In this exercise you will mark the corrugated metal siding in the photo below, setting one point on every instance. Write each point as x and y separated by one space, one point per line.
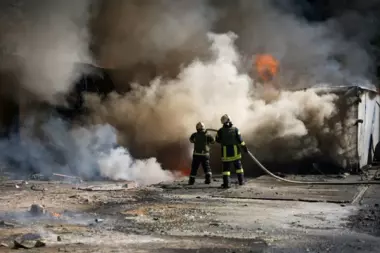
339 147
368 131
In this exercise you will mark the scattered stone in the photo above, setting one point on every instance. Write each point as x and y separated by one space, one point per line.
28 241
38 177
18 245
73 196
39 244
6 224
156 218
198 197
342 205
37 210
376 205
215 224
37 188
99 220
17 186
4 245
59 239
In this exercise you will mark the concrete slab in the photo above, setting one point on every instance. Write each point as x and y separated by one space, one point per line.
270 189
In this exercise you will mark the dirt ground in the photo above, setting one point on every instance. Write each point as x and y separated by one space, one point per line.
175 217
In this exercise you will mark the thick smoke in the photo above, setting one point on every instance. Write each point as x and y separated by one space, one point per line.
41 44
309 53
181 62
143 39
159 111
88 152
166 111
44 44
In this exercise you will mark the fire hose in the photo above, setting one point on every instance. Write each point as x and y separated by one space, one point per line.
262 167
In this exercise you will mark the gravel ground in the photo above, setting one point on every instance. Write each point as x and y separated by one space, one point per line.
367 219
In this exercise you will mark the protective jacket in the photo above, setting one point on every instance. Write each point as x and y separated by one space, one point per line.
231 143
202 142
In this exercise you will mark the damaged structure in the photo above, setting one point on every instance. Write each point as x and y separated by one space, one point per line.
348 144
350 138
359 118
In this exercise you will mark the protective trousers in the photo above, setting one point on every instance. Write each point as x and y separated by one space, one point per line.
197 161
227 172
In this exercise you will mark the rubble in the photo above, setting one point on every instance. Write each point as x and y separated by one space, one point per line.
6 224
73 179
37 210
29 241
37 188
4 245
39 177
99 220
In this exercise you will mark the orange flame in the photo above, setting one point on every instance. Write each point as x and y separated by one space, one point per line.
57 215
184 172
266 66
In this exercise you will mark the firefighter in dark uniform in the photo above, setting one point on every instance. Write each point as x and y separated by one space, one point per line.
231 145
201 154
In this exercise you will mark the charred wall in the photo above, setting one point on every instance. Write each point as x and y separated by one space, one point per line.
333 150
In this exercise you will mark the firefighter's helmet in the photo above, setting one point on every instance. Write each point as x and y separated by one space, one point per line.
200 126
225 119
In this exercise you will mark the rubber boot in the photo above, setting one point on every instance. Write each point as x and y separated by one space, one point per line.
191 180
208 179
240 178
226 182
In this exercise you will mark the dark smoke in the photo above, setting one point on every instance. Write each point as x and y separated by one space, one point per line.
172 72
148 44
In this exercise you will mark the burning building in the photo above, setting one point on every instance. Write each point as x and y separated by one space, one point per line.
170 64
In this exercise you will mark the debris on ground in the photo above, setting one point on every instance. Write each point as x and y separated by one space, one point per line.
73 179
107 187
4 245
6 224
37 188
39 177
29 241
37 210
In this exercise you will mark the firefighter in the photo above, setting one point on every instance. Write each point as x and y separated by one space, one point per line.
201 154
231 144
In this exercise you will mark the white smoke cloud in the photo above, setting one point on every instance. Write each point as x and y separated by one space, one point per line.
88 152
204 91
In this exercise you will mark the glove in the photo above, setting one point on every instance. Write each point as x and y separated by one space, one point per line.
245 149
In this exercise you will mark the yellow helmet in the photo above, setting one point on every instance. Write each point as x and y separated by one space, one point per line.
200 126
225 119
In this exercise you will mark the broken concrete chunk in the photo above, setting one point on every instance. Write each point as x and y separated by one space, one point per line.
37 210
19 245
28 241
6 224
4 245
38 177
39 244
37 188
